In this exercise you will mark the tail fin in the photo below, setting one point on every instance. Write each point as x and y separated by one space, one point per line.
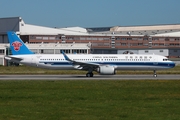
17 45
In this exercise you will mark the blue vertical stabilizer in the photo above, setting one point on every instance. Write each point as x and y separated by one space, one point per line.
17 45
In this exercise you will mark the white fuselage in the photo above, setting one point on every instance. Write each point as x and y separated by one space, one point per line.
119 61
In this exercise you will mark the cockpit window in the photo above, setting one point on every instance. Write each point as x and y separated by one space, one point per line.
165 59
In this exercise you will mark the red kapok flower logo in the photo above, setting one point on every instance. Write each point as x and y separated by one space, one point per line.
16 45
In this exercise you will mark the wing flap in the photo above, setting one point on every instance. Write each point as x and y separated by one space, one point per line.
85 65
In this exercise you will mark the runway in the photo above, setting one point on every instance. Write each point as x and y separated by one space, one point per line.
82 77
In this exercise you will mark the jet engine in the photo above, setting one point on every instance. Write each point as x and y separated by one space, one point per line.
106 70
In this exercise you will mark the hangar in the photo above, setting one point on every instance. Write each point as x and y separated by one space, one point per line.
152 39
41 40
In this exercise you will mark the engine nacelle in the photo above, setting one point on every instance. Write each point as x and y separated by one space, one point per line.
106 70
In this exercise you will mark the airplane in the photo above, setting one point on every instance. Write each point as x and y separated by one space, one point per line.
104 64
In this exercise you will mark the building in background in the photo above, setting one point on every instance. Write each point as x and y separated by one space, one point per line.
154 39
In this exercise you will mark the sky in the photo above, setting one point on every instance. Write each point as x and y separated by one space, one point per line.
92 13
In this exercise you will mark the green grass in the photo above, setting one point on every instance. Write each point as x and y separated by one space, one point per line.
90 100
33 70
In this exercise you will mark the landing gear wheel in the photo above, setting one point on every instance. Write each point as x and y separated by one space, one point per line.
155 75
89 75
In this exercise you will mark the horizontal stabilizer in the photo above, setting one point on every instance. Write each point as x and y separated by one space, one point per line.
13 59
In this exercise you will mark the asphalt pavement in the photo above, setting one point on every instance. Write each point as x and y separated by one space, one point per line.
83 77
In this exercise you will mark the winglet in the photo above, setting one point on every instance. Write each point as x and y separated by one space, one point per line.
17 45
65 56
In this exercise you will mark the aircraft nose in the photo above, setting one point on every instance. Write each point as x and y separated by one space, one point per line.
172 64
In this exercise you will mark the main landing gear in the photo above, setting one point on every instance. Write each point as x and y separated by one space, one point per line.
155 75
89 74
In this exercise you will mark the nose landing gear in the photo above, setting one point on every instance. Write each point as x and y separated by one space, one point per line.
155 75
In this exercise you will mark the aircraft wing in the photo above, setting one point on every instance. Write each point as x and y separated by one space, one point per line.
81 65
85 65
